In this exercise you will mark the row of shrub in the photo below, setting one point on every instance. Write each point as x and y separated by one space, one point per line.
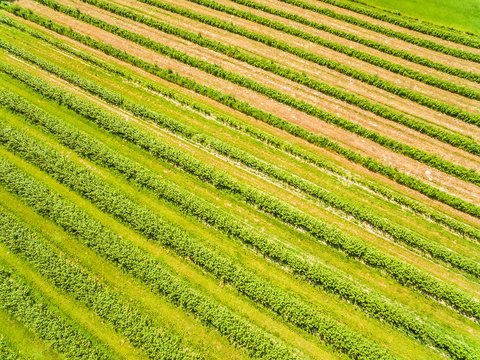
272 140
416 40
328 279
230 101
157 342
25 305
358 54
397 232
123 254
154 227
403 54
469 175
269 65
448 137
354 247
428 212
409 23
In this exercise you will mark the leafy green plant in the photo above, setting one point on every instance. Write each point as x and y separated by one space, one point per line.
326 278
331 30
123 254
353 247
432 160
35 313
428 44
398 233
157 342
409 23
228 100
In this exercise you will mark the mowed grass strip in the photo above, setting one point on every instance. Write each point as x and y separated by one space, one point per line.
46 317
52 109
159 209
270 92
245 129
283 45
439 30
207 340
403 54
405 36
142 265
287 306
268 204
143 333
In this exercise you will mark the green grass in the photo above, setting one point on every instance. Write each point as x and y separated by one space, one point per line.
343 224
303 170
245 257
100 76
209 341
313 209
462 15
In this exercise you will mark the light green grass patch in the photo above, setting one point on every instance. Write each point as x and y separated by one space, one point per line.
462 15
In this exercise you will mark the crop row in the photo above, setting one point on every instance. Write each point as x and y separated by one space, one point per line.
408 23
361 55
268 65
328 279
354 247
36 314
156 342
435 132
230 101
428 44
340 33
154 227
123 254
258 134
397 232
432 160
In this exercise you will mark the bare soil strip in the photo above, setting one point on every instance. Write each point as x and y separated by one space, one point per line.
355 168
333 105
366 147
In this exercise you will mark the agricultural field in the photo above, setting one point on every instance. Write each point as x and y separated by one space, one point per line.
238 179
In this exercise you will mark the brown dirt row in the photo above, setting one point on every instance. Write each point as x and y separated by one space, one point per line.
391 26
333 38
335 158
334 105
309 46
290 60
446 182
372 35
401 104
463 127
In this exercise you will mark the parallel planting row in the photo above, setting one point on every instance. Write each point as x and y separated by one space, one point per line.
226 223
146 215
396 232
268 139
368 162
353 247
